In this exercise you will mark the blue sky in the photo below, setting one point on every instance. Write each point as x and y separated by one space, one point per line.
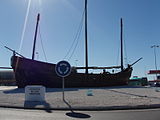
59 24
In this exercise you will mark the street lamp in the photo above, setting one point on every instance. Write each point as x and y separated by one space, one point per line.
155 59
37 55
76 62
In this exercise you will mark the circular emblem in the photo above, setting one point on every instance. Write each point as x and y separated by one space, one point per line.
63 68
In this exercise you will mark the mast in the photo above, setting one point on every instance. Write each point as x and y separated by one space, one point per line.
35 36
121 45
86 40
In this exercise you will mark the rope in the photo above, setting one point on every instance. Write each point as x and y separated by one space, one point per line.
75 41
42 44
125 51
77 36
1 43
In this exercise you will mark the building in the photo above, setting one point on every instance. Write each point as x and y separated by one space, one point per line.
7 77
136 81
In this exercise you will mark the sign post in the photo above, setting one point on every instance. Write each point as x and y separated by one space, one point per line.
63 87
63 69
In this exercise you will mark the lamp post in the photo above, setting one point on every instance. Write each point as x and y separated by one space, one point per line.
37 55
155 59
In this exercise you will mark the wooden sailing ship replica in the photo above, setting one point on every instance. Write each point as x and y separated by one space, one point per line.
32 72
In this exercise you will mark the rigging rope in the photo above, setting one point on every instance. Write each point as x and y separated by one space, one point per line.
117 60
42 44
1 43
125 52
75 41
77 36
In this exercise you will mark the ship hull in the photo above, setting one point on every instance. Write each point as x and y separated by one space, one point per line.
32 72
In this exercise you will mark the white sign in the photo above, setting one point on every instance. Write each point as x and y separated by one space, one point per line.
34 93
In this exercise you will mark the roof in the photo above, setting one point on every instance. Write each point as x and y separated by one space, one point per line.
154 72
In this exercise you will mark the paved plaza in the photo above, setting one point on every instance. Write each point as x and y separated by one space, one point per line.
108 98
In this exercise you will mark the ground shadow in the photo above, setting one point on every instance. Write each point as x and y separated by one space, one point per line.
34 104
75 114
137 95
78 115
121 87
70 107
60 89
14 91
22 90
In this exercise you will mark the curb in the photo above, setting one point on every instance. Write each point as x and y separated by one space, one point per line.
92 108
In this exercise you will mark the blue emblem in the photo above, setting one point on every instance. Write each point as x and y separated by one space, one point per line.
63 68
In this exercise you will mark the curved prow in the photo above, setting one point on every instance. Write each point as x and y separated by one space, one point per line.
14 52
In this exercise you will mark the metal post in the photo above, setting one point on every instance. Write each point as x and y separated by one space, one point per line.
63 88
155 58
63 96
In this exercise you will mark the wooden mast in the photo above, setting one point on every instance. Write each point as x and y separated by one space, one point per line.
86 40
122 45
35 36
